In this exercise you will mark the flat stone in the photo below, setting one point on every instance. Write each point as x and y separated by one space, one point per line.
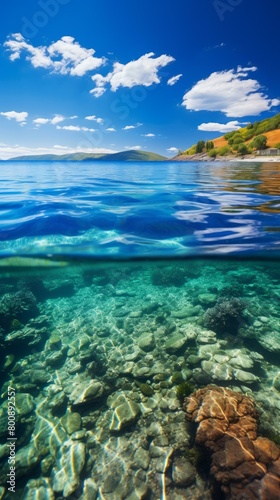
222 372
124 415
66 475
192 359
270 341
175 343
183 472
147 342
39 377
242 361
217 371
186 312
142 372
39 489
207 299
55 358
206 337
90 490
86 391
71 422
245 377
141 458
24 403
126 368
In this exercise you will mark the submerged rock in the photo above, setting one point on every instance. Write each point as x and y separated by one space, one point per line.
66 476
243 464
183 472
276 382
126 411
175 343
40 489
71 422
146 342
86 391
24 404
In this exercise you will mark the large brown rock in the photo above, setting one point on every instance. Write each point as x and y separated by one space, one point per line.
245 465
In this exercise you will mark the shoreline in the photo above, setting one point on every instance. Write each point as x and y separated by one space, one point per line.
230 158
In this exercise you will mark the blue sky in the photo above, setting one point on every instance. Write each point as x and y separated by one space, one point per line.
158 76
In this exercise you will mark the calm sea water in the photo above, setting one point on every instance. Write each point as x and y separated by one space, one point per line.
123 288
139 208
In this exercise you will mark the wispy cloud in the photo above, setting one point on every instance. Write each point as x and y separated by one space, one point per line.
231 92
143 71
75 128
56 119
148 135
94 118
14 115
173 80
221 127
130 127
65 56
133 147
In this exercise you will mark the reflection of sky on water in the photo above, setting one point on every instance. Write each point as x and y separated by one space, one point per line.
139 208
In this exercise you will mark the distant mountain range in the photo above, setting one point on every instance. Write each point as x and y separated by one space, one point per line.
131 155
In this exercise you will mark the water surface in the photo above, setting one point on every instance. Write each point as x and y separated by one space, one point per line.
129 209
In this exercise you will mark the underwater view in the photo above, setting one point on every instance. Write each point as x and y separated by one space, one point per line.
139 250
140 331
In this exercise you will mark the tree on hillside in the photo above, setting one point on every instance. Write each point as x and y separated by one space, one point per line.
260 142
200 147
209 145
242 149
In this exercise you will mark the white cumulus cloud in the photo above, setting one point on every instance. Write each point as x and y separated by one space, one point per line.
65 56
54 121
172 149
142 71
41 121
231 92
148 135
57 119
19 117
221 127
111 129
130 127
94 118
173 80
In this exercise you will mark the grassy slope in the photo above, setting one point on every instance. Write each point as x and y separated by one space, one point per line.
273 137
132 155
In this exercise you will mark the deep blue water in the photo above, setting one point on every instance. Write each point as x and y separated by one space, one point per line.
128 209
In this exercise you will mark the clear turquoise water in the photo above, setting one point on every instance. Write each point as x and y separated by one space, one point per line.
136 209
119 283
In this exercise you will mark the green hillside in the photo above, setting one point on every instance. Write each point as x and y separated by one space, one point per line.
257 135
131 155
